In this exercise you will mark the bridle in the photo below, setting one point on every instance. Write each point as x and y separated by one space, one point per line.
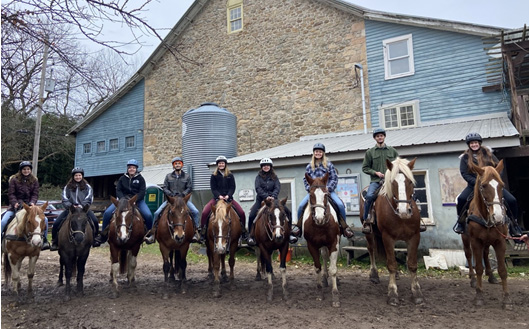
28 235
172 225
269 228
397 201
324 206
72 232
489 204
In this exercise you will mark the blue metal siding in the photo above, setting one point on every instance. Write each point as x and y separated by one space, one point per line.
449 74
122 119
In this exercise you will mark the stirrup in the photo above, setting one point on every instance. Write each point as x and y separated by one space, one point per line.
348 233
149 239
366 228
251 241
295 231
292 239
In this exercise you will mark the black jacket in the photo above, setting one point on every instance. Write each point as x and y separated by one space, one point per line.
177 186
221 185
463 168
77 197
130 186
266 186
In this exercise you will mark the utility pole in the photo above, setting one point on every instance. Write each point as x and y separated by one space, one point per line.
39 110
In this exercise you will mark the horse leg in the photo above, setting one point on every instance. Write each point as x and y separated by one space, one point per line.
131 271
373 273
317 268
182 265
68 276
15 275
216 270
333 270
259 264
283 270
325 272
488 269
266 259
468 255
231 262
499 248
416 291
389 245
114 270
172 266
223 274
477 251
81 267
61 274
31 274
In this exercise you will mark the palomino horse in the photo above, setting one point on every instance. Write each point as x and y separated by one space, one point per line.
486 225
125 237
272 232
397 218
321 230
224 230
174 234
23 239
75 240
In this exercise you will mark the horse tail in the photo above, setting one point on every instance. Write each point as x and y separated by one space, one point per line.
7 268
123 261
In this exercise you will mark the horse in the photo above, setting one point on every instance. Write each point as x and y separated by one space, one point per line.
272 232
174 234
223 233
23 239
486 226
75 239
321 231
125 236
397 218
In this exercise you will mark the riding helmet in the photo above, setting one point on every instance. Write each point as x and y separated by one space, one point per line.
473 137
221 158
379 131
133 162
318 146
177 159
266 162
78 170
25 164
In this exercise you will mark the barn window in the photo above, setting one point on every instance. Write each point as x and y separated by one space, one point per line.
288 190
113 144
234 15
101 146
422 196
398 57
400 115
129 141
87 148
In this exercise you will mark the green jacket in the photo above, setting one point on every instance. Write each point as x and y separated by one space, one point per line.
375 160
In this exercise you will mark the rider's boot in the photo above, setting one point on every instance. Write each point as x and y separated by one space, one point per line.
196 235
54 245
149 237
45 243
251 238
103 236
244 234
203 232
296 228
459 228
346 230
514 230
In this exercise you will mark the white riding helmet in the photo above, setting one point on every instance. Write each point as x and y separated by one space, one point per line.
266 161
221 158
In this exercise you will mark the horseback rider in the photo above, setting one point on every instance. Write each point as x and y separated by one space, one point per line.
130 184
23 188
374 165
77 193
176 183
318 167
222 184
481 156
267 187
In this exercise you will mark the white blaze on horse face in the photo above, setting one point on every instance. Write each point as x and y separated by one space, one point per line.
277 222
220 248
401 187
497 210
36 239
123 229
319 212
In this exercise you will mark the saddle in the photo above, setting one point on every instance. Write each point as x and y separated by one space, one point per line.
10 233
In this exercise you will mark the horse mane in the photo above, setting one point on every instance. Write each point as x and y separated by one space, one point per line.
221 210
399 166
21 225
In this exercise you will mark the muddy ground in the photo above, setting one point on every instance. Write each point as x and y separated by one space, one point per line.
363 304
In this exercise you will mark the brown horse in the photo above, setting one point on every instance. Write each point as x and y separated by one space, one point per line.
272 232
224 230
174 234
487 226
397 218
75 241
321 230
468 255
125 236
23 239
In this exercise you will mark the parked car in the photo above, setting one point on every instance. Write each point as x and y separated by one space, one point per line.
53 210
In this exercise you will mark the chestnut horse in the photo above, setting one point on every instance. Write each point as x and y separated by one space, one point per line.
23 239
125 236
397 218
174 234
224 230
321 231
75 241
487 226
468 255
272 232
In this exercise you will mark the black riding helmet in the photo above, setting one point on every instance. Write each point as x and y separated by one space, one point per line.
77 170
25 164
473 137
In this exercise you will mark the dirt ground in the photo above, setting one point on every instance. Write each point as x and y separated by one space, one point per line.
363 304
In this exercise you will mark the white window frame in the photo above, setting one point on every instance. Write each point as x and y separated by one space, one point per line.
387 61
426 220
382 114
292 182
127 142
234 5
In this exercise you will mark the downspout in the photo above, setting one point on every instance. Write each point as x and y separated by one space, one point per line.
359 66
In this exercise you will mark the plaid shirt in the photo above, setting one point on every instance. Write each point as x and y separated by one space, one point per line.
320 171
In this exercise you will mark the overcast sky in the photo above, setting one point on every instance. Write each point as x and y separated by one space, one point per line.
498 13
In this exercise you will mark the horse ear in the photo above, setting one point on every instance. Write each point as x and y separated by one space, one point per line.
114 201
133 199
411 164
499 167
473 168
325 177
43 207
267 202
72 209
389 164
26 206
308 178
171 199
284 201
187 197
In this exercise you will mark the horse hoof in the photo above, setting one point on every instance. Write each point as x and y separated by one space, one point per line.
67 298
507 306
393 301
59 284
419 301
473 283
374 280
114 295
492 280
336 304
258 277
478 302
165 296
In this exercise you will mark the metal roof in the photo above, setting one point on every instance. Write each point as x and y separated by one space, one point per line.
436 137
156 174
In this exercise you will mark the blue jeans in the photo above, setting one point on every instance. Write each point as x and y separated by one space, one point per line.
9 214
143 208
190 205
370 197
334 198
